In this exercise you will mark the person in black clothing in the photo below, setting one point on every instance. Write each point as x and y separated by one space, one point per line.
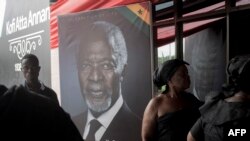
169 115
228 110
27 116
31 69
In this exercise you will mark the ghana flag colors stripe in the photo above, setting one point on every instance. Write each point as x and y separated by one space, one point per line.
139 15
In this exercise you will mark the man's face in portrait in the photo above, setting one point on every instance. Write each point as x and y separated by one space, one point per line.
99 78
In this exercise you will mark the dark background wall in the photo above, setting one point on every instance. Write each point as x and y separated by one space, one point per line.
206 52
239 33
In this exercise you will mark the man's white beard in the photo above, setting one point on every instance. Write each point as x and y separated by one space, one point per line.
99 107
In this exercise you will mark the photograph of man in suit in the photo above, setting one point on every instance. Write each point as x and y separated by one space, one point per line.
101 62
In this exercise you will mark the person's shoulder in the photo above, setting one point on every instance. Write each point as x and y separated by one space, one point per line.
214 95
154 102
3 89
50 93
153 105
37 113
48 89
21 95
157 99
17 99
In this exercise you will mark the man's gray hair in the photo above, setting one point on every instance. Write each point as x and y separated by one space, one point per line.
117 41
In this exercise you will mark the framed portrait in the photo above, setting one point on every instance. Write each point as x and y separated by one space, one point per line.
106 53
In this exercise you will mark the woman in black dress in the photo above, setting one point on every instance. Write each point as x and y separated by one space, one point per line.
228 111
169 115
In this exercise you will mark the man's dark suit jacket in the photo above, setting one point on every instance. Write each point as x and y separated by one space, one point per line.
125 126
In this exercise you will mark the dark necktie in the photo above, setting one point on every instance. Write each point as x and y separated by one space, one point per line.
94 126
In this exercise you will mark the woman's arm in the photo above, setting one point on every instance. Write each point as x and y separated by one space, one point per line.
190 137
149 122
196 132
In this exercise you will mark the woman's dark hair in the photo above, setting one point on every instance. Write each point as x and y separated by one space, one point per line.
165 72
238 70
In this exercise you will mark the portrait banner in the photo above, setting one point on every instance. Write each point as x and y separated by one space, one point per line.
105 59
